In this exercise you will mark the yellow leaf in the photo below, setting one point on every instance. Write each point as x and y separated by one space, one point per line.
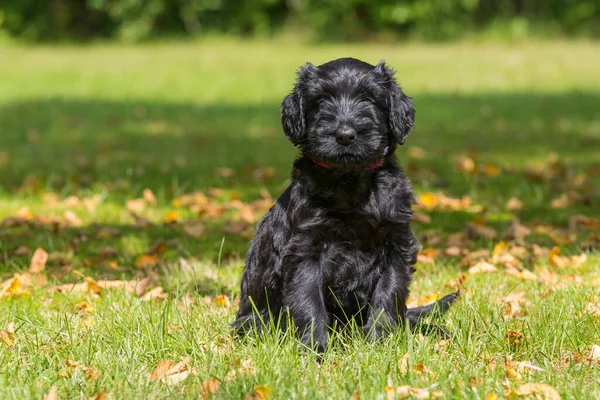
491 396
466 164
539 390
172 216
12 288
491 170
499 249
260 392
222 301
38 261
85 307
428 200
92 286
555 259
6 339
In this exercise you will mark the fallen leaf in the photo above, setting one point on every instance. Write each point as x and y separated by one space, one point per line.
21 251
7 339
555 259
560 202
171 217
491 396
466 164
482 267
169 373
548 277
516 230
136 205
595 352
428 200
513 304
38 261
208 388
260 392
85 307
52 395
194 228
480 231
222 301
142 286
514 339
540 391
421 218
226 172
99 396
514 204
427 256
491 170
72 218
107 232
404 363
156 293
146 261
12 288
149 196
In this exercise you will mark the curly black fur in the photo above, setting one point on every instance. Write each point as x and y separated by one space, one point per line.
337 245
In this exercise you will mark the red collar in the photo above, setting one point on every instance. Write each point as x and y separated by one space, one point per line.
322 164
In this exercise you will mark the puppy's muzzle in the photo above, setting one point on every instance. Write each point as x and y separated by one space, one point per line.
345 135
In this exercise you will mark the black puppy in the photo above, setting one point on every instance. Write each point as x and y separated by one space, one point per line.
337 244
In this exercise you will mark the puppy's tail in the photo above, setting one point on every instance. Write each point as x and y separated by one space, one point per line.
415 315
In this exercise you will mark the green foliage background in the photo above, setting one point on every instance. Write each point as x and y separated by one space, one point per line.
135 20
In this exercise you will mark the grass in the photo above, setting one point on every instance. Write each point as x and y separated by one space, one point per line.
106 122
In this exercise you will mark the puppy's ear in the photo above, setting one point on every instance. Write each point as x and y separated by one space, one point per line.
401 109
292 107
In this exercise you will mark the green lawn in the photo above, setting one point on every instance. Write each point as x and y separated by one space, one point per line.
86 130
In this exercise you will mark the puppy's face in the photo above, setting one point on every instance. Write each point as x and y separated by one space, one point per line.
347 113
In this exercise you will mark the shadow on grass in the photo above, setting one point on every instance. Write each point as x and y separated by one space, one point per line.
76 145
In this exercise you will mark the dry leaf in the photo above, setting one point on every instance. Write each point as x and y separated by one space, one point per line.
480 231
491 170
52 395
555 259
72 219
107 232
540 391
136 205
222 301
514 340
514 204
482 267
403 364
7 339
12 288
142 286
146 261
149 196
169 373
513 303
426 256
38 261
466 164
516 230
99 396
208 388
194 228
261 392
560 202
156 293
595 352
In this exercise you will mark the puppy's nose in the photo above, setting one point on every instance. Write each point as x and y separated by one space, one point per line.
345 135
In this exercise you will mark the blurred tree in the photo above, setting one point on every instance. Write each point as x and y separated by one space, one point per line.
134 20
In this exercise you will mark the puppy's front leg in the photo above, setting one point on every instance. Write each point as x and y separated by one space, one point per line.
387 305
304 298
